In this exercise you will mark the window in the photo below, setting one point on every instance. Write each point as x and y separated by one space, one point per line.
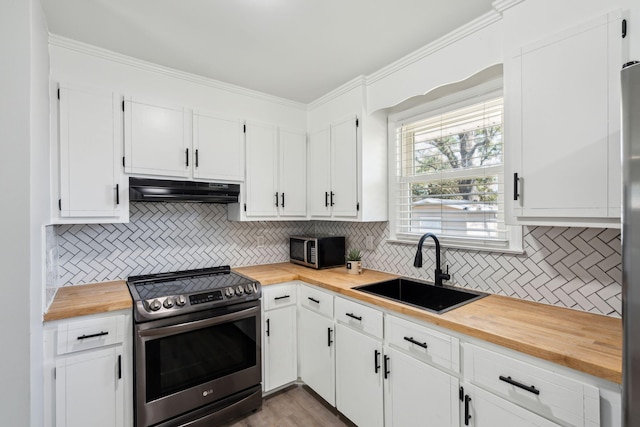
449 174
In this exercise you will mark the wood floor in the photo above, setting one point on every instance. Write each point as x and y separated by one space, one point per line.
293 407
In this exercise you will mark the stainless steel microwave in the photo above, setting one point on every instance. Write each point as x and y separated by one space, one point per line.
317 252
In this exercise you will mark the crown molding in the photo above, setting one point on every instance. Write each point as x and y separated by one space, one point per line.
359 81
87 49
450 38
502 5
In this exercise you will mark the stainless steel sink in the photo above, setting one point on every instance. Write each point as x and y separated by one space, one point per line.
423 295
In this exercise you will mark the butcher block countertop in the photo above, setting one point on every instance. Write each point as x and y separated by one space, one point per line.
586 342
81 300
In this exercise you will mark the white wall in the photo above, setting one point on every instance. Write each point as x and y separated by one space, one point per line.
24 133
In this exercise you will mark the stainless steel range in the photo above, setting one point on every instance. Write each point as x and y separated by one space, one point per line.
197 347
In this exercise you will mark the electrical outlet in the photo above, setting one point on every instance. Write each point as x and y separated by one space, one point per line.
260 241
368 243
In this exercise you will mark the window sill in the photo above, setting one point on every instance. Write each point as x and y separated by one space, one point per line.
461 246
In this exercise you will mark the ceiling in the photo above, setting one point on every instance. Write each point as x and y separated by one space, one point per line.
294 49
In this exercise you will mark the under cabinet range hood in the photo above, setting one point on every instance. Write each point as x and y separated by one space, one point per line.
162 190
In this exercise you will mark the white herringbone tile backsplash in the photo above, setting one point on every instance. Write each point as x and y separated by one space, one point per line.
578 268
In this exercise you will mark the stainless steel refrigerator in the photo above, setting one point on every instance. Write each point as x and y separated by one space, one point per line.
631 244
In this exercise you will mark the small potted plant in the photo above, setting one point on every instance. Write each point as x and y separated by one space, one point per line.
354 261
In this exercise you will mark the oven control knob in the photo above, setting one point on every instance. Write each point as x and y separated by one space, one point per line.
155 305
248 288
180 300
168 303
228 292
239 290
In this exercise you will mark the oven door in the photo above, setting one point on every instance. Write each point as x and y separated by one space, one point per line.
189 361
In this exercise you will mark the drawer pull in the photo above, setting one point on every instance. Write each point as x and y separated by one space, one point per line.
353 316
282 297
314 300
530 389
412 341
99 334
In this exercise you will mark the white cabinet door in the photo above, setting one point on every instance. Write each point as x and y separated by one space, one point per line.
262 172
156 139
91 184
488 410
218 145
417 392
280 347
89 389
565 132
344 171
293 173
359 377
317 357
319 173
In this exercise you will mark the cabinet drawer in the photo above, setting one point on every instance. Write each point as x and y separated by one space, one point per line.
423 343
77 335
316 300
545 392
359 317
280 295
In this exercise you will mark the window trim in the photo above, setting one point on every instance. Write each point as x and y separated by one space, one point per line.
476 94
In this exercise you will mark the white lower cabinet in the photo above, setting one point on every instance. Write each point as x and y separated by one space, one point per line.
88 371
483 409
279 336
316 335
418 394
359 361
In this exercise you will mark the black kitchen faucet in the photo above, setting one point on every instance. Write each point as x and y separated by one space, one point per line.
439 275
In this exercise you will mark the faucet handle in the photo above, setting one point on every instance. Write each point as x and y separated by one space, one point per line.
446 276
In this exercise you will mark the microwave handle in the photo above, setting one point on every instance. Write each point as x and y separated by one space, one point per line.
306 242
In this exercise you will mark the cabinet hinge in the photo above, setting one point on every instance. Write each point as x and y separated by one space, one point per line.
624 28
461 393
58 93
357 122
122 161
59 204
123 105
55 373
119 366
245 207
358 206
244 128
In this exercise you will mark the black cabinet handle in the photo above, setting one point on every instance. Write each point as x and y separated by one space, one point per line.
530 389
99 334
353 316
282 297
119 366
197 157
117 194
515 186
268 329
412 341
314 300
332 194
329 340
282 196
277 200
326 199
386 367
376 359
186 156
467 415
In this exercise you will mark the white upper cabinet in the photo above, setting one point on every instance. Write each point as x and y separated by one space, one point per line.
218 147
156 139
293 172
563 127
276 165
333 171
92 187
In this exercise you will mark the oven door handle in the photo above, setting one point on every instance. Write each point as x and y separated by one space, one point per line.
197 324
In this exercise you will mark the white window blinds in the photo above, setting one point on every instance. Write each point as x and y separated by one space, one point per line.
450 175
